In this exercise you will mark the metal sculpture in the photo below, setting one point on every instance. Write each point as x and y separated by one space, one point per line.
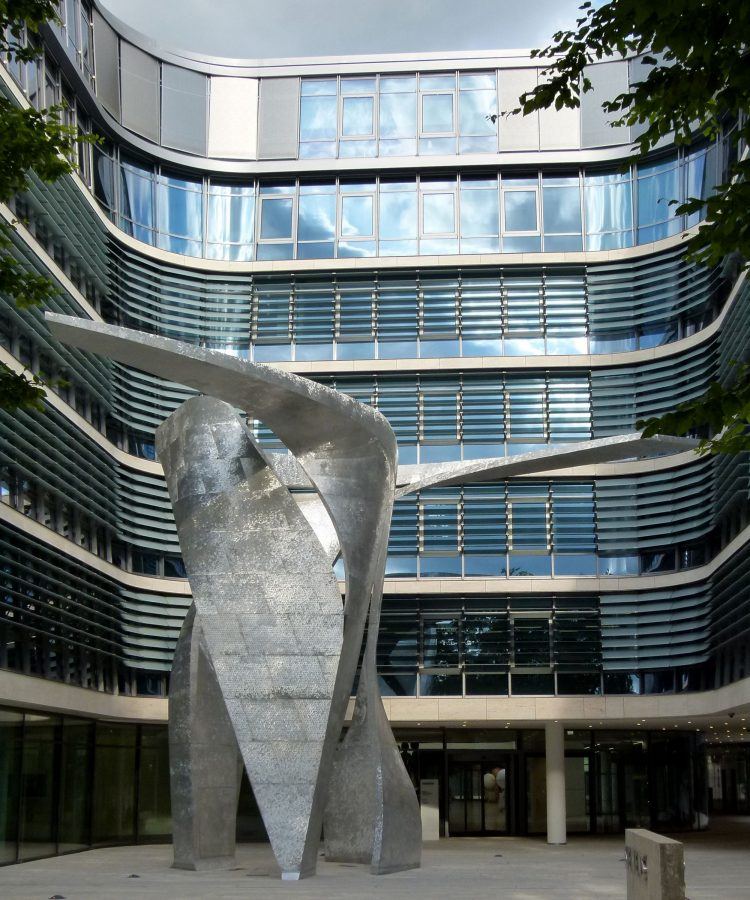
245 646
348 451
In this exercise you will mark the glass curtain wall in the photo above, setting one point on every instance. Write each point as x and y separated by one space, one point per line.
68 783
395 215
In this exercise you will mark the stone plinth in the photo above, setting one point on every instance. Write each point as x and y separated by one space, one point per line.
654 865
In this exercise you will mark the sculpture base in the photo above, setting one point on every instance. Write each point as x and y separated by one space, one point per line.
206 864
388 870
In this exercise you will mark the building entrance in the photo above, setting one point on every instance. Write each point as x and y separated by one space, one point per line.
478 796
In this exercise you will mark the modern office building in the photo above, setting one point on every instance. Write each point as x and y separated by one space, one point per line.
491 285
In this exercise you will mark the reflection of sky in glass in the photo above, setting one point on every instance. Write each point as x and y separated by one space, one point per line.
479 213
437 82
357 86
357 115
520 210
439 215
230 215
356 216
475 106
562 210
437 113
390 84
657 185
276 220
180 211
317 217
137 197
318 86
398 215
608 207
398 115
317 118
476 80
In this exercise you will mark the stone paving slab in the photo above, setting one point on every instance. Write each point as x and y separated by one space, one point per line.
717 866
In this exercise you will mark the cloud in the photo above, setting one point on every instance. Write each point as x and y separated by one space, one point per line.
255 29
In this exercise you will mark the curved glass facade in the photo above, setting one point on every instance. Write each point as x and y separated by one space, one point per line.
403 215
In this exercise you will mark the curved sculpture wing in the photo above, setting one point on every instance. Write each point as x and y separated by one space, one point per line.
583 453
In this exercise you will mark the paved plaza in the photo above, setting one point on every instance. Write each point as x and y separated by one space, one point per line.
717 868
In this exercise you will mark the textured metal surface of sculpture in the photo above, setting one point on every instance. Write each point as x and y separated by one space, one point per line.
270 612
204 758
348 451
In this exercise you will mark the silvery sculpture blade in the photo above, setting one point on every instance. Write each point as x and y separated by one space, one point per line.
204 761
348 451
270 612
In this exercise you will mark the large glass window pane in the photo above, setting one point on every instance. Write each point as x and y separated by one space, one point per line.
562 209
38 814
316 87
230 214
398 115
476 107
357 85
316 217
10 781
519 208
531 642
437 113
357 149
104 178
153 784
356 216
276 217
180 207
75 784
609 208
137 200
357 116
479 213
658 183
398 214
439 213
440 643
114 787
317 119
437 82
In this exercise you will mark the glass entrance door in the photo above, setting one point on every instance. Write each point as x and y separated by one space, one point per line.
478 797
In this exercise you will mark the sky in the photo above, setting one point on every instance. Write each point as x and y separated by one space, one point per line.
262 29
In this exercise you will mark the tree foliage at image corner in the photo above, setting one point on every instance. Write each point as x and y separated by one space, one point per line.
696 81
30 139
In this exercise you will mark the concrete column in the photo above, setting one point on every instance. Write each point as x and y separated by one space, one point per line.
555 758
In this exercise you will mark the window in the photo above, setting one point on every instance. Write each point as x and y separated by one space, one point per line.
318 118
609 211
531 641
316 225
276 221
398 218
561 207
477 103
658 185
230 221
437 113
398 115
480 215
137 201
357 117
180 214
519 209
